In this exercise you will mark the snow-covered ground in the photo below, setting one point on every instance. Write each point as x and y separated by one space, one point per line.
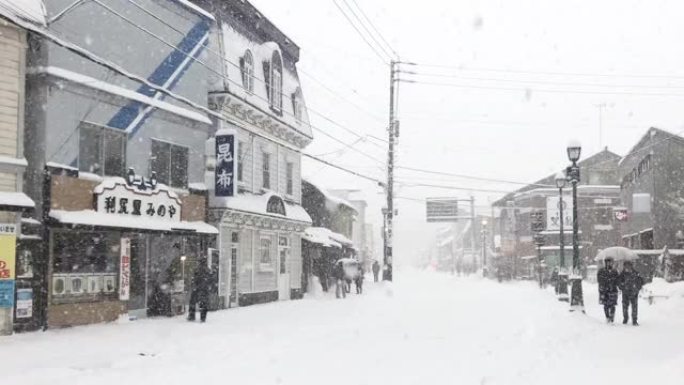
427 328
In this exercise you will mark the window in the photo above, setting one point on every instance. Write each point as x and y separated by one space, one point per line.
101 150
275 205
170 162
241 155
275 96
266 167
265 251
297 104
289 169
247 70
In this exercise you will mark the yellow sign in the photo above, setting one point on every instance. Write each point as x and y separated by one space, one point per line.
8 252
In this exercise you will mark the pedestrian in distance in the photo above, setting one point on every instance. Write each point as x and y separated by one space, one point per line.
376 270
199 294
630 283
358 280
339 277
608 288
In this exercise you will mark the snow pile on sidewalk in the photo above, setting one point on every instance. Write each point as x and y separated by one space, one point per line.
661 288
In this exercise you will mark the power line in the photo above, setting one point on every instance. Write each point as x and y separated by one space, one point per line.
542 82
483 179
551 73
363 25
396 55
495 88
382 59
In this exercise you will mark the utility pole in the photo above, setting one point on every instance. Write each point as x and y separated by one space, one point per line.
388 260
473 236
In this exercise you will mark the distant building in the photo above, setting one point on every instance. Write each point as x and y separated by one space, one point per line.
598 199
359 236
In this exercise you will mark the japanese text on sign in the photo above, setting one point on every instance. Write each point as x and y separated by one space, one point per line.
125 200
125 271
226 150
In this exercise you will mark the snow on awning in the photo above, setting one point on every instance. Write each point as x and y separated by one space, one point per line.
109 88
28 10
15 201
332 200
327 237
257 204
94 218
321 236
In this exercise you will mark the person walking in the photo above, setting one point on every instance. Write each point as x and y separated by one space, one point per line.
376 270
358 280
199 291
630 283
608 289
340 284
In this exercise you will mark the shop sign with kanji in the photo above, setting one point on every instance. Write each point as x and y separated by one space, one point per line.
226 163
153 203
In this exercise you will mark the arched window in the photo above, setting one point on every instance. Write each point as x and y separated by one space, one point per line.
275 96
247 70
275 205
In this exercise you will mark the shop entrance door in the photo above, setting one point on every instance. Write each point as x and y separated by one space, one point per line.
283 268
137 304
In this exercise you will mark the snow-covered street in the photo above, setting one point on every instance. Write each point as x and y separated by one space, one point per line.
429 328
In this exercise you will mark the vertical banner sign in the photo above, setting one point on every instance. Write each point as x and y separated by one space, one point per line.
8 242
24 303
125 270
226 163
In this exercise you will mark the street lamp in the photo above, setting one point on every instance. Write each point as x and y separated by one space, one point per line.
484 249
562 284
573 172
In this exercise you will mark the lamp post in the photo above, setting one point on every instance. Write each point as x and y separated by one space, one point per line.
562 284
574 150
484 248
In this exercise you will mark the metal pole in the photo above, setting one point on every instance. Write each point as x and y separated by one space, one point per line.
484 253
562 283
387 273
577 300
473 236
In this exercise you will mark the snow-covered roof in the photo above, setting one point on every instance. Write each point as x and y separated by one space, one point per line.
256 204
112 182
109 88
29 10
332 201
94 218
235 46
15 199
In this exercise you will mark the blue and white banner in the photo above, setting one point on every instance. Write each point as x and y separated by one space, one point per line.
226 164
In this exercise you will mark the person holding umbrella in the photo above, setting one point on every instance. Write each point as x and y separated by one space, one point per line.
608 289
630 282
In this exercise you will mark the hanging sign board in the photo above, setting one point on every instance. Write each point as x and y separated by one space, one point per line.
226 163
8 252
125 270
442 209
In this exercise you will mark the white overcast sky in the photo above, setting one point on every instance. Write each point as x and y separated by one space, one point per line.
528 77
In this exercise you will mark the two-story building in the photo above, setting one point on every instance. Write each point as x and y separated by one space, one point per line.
260 99
16 272
598 200
116 125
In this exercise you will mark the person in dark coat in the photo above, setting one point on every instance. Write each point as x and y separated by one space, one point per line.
376 270
199 291
630 282
339 276
358 280
608 289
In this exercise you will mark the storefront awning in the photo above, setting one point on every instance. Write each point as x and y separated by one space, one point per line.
94 218
258 204
15 201
326 237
